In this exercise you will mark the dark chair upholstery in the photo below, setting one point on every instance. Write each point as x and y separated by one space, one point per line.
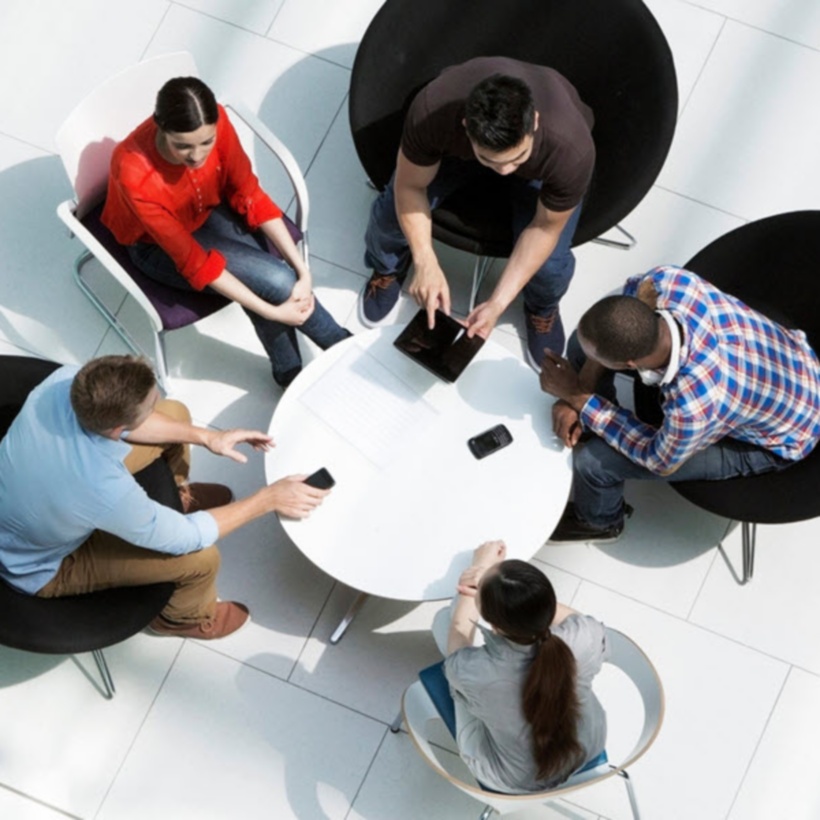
176 308
77 623
613 51
772 265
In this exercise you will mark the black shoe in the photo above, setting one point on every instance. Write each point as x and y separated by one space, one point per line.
379 297
287 377
571 529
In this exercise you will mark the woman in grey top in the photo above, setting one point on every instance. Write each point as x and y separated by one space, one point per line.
526 715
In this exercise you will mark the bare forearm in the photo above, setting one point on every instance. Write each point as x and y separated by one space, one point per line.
161 429
413 212
562 612
462 625
534 246
590 374
235 515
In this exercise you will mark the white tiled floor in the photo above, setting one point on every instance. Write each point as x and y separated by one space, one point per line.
274 722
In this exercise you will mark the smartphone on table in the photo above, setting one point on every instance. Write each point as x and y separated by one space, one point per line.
489 441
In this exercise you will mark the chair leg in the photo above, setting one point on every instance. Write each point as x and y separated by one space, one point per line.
105 673
749 533
162 361
630 790
614 243
482 265
92 297
487 813
396 724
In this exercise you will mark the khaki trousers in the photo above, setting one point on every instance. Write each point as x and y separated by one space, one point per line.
104 560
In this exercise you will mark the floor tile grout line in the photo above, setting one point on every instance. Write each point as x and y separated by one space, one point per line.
289 682
275 18
752 26
312 628
217 19
702 69
367 772
708 571
763 731
319 147
47 151
661 187
138 731
22 794
683 620
156 31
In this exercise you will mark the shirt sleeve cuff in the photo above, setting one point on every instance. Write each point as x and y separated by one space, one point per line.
207 526
261 211
594 404
207 273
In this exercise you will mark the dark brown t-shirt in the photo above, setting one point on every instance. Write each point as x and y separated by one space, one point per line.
563 153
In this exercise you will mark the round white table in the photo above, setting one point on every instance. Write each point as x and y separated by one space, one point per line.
411 502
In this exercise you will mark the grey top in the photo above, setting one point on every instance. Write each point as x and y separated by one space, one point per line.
486 682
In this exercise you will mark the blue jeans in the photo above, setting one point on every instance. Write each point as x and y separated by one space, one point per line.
599 471
387 251
267 276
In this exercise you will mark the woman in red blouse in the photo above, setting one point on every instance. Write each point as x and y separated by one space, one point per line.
183 198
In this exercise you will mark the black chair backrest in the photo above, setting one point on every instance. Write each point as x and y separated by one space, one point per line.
19 375
613 51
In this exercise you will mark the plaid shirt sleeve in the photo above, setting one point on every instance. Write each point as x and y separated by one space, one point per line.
686 427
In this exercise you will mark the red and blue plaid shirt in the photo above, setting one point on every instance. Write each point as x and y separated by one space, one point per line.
741 376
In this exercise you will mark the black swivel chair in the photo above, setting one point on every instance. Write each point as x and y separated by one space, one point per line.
772 265
614 53
77 623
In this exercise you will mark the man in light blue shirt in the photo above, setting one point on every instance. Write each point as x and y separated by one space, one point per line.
73 518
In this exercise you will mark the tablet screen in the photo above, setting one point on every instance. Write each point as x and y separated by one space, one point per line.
446 350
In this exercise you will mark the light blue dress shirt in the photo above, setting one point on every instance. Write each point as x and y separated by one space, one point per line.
59 483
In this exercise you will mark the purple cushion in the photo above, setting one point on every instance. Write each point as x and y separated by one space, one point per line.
176 308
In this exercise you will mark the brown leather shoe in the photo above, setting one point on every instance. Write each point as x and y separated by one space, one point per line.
196 497
230 617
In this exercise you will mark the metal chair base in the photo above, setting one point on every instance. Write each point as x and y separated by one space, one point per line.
340 630
105 674
118 328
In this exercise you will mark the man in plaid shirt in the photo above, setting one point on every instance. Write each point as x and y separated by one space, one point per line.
740 395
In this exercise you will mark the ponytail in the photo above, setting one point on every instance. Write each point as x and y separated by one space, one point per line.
519 601
551 707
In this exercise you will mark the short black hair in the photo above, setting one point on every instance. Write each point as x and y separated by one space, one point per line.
499 112
622 328
185 104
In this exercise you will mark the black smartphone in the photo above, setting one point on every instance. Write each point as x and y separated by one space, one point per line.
321 479
489 441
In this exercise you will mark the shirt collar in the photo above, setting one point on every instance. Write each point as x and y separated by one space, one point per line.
658 376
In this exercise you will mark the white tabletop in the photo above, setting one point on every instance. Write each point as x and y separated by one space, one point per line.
411 502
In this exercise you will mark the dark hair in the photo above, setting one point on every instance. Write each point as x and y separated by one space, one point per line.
185 104
519 601
499 112
622 328
107 392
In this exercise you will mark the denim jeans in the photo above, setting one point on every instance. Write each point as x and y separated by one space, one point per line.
267 276
599 470
387 251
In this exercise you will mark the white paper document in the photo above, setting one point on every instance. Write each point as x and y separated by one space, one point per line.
371 408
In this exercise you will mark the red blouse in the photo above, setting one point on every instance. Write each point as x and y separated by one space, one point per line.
152 200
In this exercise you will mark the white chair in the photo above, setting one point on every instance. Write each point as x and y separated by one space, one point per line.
86 141
418 711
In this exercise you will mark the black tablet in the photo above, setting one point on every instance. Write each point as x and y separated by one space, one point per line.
446 350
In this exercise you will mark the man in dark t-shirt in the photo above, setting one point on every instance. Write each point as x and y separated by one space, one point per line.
521 121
